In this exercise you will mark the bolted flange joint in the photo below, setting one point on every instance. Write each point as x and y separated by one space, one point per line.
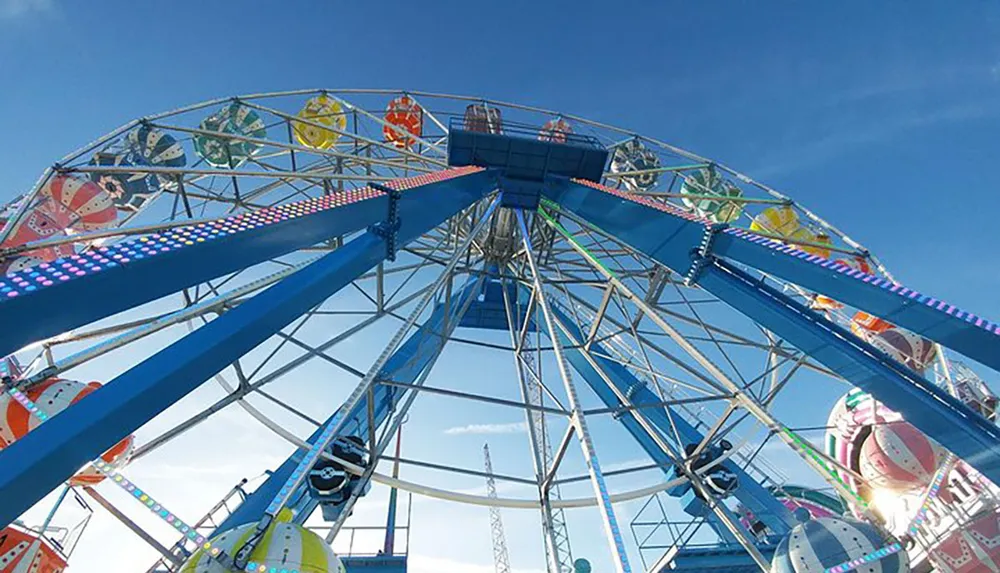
702 255
629 394
388 228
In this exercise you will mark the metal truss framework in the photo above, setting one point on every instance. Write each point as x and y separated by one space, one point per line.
590 287
501 560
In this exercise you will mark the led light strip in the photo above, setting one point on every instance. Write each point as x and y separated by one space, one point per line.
931 495
873 556
103 258
47 274
307 462
143 497
153 505
30 406
109 471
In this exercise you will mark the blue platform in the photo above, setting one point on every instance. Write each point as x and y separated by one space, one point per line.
376 564
488 311
524 162
720 559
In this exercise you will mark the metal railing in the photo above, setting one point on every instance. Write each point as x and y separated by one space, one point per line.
496 126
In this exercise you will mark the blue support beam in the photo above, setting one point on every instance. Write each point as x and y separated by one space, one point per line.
670 236
774 514
488 311
405 365
935 319
930 408
108 280
50 454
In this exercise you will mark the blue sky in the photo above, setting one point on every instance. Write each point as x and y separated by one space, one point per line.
881 117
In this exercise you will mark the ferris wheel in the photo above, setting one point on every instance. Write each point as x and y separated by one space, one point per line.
240 254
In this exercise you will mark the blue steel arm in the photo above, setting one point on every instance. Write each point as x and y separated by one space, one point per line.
50 454
771 511
928 407
50 299
673 237
670 235
935 319
405 365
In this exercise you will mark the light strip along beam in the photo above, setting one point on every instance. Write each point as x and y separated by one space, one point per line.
669 235
90 286
929 408
47 456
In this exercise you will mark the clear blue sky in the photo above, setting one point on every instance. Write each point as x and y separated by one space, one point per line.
881 117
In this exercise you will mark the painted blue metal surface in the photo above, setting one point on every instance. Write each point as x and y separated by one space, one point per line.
671 235
376 564
50 454
412 357
959 330
664 236
517 195
389 545
488 310
722 559
750 493
111 279
525 163
928 407
490 316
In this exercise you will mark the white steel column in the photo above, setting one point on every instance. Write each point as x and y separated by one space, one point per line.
577 418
